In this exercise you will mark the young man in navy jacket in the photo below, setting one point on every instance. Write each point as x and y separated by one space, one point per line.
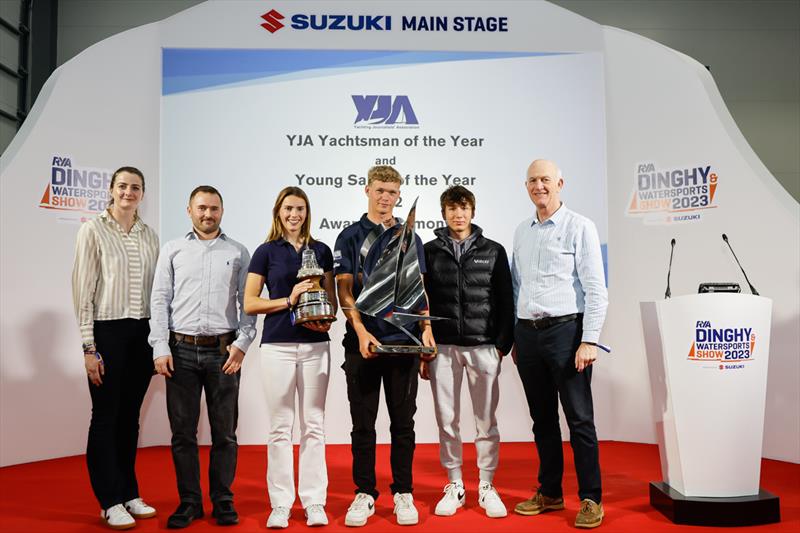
357 250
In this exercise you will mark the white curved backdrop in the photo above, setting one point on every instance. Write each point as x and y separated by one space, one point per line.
530 79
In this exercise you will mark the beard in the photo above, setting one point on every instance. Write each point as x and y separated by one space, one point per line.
207 227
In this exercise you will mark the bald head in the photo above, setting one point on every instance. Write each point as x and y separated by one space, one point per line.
544 183
545 167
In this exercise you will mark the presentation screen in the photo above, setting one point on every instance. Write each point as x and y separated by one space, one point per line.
254 121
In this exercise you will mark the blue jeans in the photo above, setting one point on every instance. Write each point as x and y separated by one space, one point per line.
546 365
199 368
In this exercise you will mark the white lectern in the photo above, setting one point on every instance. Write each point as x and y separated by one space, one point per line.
708 356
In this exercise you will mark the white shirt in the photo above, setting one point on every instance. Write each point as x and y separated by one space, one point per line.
557 270
196 289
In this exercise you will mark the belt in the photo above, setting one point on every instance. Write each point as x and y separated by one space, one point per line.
549 321
199 340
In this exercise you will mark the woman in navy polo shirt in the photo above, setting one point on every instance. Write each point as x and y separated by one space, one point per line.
294 359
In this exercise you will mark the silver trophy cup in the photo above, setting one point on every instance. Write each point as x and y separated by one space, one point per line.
313 305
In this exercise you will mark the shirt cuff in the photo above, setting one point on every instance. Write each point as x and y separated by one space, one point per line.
160 349
87 334
242 343
590 336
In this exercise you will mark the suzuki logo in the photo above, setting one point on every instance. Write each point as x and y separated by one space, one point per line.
273 21
384 109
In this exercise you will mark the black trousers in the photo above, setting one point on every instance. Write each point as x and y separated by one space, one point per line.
198 368
546 365
114 427
399 377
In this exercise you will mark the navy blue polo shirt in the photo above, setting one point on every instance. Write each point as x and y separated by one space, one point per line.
279 262
347 260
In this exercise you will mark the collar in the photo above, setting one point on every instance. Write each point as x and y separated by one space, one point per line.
283 242
556 218
367 224
192 236
105 215
444 233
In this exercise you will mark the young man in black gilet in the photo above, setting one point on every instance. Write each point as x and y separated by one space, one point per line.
469 282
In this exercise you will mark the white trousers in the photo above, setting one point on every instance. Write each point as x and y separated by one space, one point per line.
482 366
302 369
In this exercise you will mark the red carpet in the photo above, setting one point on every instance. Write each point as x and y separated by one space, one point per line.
55 496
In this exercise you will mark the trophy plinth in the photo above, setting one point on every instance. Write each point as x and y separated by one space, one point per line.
313 305
402 349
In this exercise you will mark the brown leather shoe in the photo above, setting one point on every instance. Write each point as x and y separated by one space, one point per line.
590 515
538 503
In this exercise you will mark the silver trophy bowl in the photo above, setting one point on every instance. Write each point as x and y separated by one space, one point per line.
313 305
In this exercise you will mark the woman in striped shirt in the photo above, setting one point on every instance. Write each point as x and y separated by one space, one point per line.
115 257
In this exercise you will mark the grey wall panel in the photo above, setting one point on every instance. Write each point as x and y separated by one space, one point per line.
746 64
9 10
790 182
638 15
7 131
82 23
130 13
9 49
8 95
9 56
772 129
73 40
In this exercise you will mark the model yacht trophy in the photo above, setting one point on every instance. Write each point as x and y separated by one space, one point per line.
313 305
393 290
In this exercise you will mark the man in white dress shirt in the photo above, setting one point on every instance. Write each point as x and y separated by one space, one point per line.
200 333
561 299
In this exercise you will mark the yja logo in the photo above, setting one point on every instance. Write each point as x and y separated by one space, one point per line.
385 109
273 21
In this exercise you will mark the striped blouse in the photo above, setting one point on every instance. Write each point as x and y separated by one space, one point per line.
113 272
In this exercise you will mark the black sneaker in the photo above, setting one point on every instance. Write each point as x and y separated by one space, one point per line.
184 515
225 513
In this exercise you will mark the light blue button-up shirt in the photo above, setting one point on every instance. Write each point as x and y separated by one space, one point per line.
557 270
196 288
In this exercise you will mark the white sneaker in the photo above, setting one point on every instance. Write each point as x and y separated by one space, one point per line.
315 515
138 509
279 518
404 509
490 500
452 500
116 517
363 507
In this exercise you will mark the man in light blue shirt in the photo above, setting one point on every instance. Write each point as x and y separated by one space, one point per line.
200 333
561 300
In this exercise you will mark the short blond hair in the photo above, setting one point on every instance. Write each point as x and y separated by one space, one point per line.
383 173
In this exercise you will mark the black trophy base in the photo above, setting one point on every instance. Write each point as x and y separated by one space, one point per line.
401 349
763 508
